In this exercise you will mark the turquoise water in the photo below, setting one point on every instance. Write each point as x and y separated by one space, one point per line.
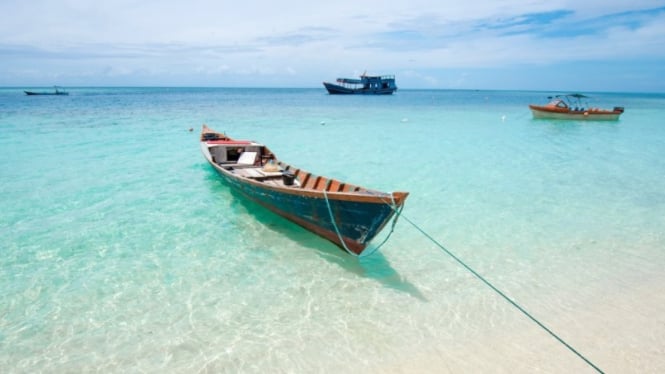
123 251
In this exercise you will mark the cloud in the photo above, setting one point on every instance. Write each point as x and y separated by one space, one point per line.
298 37
298 41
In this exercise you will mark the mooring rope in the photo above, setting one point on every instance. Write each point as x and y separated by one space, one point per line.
339 234
332 219
393 206
490 285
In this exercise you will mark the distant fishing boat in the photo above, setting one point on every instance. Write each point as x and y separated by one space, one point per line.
570 106
367 84
347 215
56 91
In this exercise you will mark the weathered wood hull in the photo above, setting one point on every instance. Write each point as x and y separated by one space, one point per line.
350 219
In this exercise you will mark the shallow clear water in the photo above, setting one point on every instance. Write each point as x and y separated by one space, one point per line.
123 251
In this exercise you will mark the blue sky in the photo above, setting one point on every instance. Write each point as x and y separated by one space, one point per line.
559 45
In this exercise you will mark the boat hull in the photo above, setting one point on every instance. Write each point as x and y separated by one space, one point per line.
349 219
587 115
31 93
356 221
335 89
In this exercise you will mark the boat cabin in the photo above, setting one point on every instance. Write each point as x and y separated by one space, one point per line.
368 82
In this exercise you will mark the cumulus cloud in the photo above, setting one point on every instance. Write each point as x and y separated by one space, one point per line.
303 42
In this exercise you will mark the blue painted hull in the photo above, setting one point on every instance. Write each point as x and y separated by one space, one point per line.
348 215
357 222
335 89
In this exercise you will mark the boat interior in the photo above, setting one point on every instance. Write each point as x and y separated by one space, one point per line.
255 161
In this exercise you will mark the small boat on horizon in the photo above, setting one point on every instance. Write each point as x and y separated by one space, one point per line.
348 215
367 85
56 92
570 106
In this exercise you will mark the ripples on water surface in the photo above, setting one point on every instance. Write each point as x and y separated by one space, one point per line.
123 251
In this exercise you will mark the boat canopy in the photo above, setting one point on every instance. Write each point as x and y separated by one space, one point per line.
571 100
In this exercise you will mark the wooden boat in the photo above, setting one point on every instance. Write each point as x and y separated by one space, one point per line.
366 85
571 107
55 92
347 215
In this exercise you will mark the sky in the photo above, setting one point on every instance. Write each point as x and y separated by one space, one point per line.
558 45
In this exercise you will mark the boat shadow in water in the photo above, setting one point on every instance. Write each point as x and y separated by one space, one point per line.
374 266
